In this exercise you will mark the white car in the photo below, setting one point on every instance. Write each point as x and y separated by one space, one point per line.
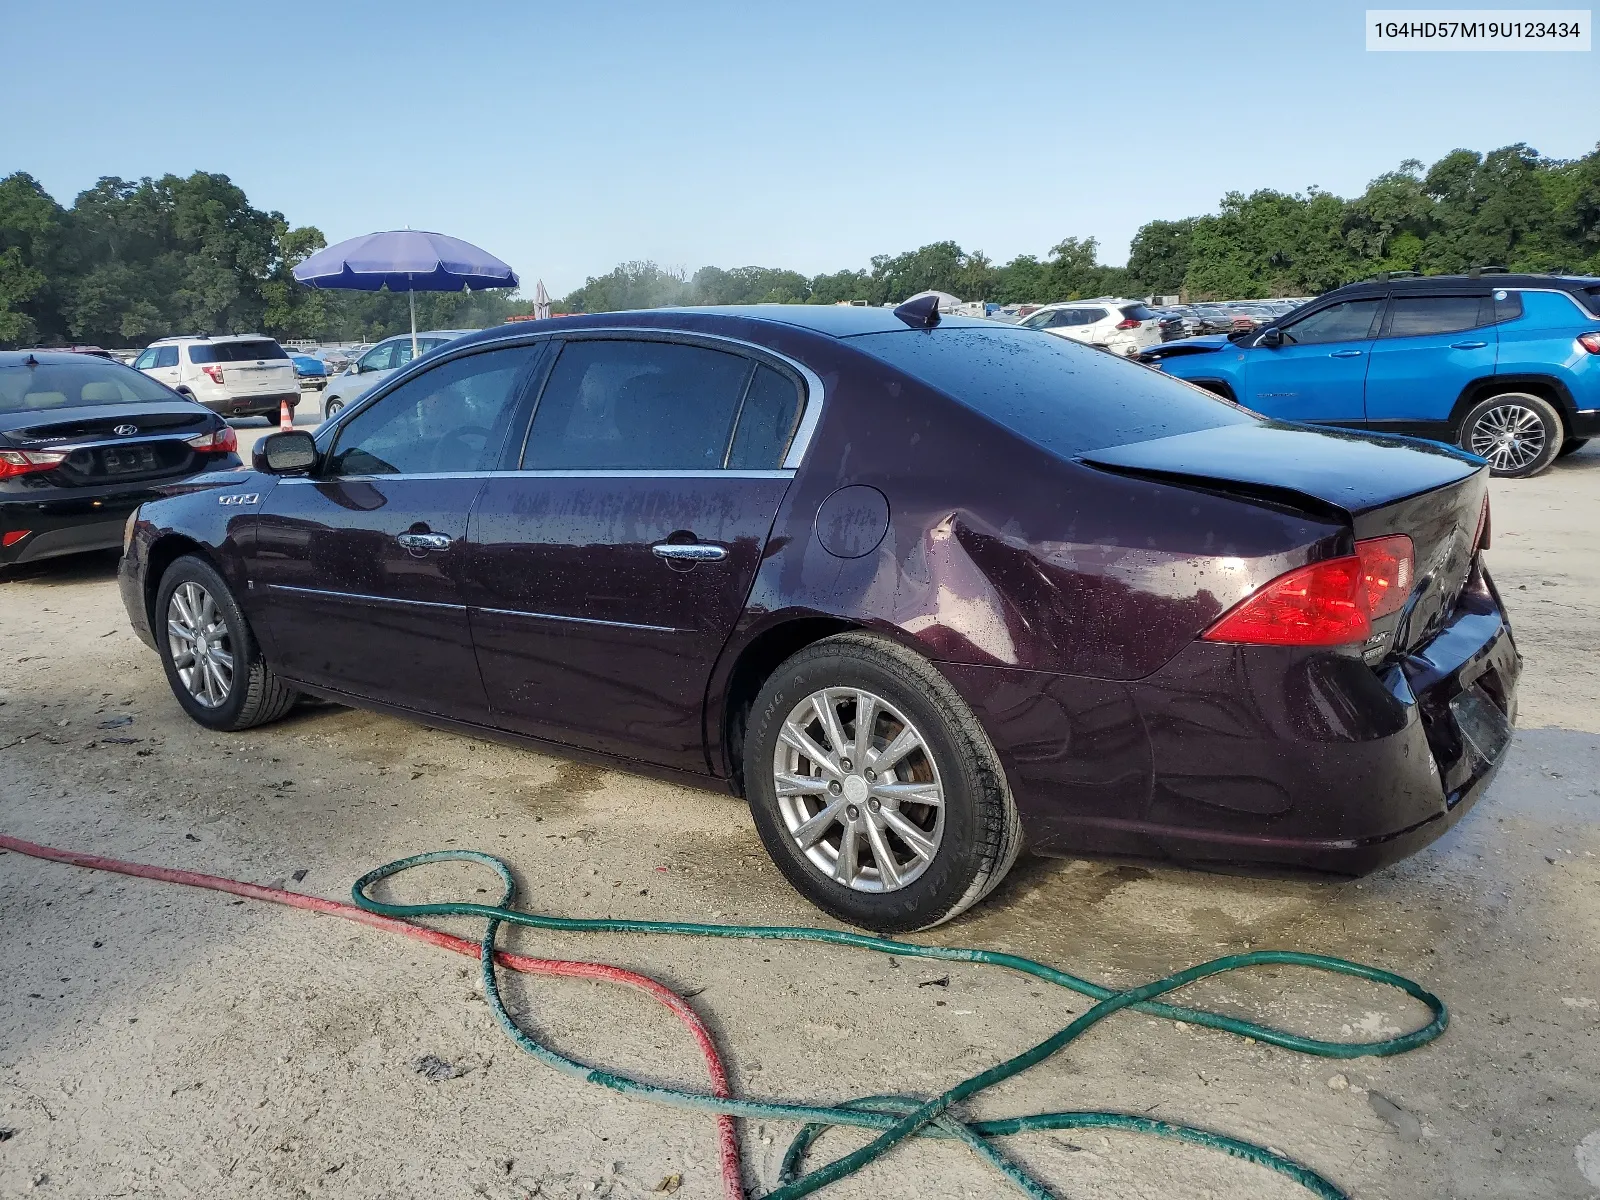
242 375
377 364
1121 326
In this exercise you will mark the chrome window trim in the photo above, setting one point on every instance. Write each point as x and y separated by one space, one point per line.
364 598
543 616
113 442
585 474
810 417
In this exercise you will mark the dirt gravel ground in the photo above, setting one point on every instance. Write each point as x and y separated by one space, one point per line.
162 1042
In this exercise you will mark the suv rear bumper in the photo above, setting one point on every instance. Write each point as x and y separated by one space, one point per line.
245 406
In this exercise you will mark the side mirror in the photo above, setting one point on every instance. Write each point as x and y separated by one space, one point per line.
1272 338
289 452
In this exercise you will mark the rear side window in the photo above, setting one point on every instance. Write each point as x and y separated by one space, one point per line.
1508 305
636 405
166 356
223 352
767 420
1068 398
1346 322
1416 316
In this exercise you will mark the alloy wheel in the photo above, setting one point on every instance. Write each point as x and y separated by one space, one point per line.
1511 436
201 646
859 790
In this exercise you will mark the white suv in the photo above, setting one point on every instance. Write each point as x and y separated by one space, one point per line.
237 376
1120 326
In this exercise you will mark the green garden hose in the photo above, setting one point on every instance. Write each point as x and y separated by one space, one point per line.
893 1119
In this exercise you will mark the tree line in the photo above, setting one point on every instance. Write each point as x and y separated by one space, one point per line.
130 261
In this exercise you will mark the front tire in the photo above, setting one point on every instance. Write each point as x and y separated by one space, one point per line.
331 407
1520 434
893 825
209 653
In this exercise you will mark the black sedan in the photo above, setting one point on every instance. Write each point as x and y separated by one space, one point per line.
83 442
916 589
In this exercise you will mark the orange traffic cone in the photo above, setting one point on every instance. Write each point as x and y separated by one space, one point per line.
285 416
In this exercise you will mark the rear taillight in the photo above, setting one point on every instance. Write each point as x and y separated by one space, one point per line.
1130 323
214 372
25 462
1590 342
1329 603
1324 604
1388 565
218 441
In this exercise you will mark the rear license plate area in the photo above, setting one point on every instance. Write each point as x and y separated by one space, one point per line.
130 460
1484 727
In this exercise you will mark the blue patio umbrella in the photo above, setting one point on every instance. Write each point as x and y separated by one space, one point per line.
405 260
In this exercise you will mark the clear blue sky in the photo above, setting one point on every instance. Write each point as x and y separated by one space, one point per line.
569 137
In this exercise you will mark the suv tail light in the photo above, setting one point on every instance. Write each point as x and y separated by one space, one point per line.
218 441
25 462
1128 323
1590 342
214 372
1328 603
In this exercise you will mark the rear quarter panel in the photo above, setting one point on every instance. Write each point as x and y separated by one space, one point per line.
1543 341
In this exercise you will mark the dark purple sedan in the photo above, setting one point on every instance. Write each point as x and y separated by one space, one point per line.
918 590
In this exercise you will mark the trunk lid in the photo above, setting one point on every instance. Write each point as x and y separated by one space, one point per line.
1379 485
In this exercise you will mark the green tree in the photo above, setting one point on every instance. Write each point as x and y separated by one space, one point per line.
1158 258
31 237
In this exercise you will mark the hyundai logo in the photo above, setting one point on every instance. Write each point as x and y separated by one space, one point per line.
125 430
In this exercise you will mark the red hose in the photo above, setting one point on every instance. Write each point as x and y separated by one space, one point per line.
727 1141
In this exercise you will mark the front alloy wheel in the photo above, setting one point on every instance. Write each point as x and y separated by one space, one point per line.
201 646
859 792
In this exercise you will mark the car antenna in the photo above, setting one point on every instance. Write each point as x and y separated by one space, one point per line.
921 313
30 361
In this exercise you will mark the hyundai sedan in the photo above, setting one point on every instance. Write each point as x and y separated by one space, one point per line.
917 589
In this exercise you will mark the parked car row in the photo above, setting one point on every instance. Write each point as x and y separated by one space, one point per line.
1507 367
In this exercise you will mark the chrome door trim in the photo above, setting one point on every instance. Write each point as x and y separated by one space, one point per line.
584 474
363 598
542 616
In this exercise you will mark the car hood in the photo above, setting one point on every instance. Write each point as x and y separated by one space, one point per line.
87 420
1192 345
1334 468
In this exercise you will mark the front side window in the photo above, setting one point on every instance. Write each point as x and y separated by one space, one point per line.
449 419
1038 320
380 358
637 405
68 385
1350 321
166 356
145 359
1416 316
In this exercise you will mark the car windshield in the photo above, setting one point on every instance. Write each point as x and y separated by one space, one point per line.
1066 397
68 385
215 352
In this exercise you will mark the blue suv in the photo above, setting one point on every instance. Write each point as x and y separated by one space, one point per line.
1505 366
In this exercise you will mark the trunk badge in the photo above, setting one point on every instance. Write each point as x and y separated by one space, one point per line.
125 430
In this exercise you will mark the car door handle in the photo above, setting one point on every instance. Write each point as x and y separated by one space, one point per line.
1344 354
693 552
1468 345
423 541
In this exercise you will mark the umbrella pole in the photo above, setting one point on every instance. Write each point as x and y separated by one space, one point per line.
411 296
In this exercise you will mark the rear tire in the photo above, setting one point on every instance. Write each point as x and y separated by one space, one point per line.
940 813
213 663
1519 434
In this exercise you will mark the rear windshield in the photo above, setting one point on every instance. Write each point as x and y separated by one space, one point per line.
1064 396
67 385
214 352
1138 312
